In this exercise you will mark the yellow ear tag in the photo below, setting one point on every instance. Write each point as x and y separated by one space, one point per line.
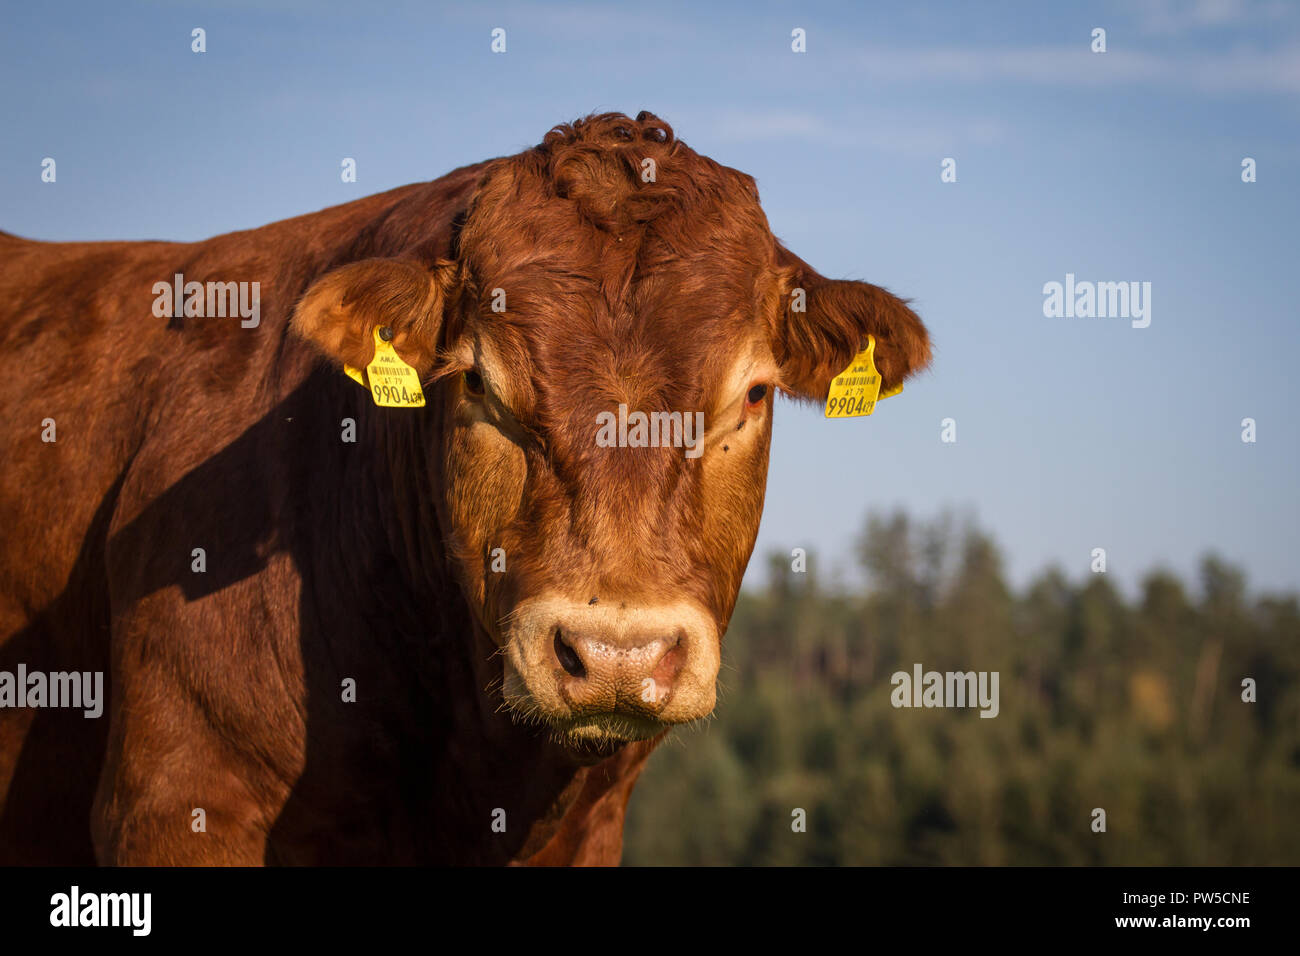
393 383
355 375
856 390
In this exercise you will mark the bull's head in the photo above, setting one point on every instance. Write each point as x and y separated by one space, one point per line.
601 356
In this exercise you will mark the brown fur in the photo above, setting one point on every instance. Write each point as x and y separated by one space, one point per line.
370 561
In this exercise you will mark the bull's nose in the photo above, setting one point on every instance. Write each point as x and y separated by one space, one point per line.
613 669
632 671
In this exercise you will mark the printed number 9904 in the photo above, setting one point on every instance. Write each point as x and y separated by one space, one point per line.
847 405
395 393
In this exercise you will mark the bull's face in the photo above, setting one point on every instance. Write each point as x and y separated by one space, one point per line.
602 358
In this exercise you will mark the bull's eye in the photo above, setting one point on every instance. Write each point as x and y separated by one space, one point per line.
473 382
756 394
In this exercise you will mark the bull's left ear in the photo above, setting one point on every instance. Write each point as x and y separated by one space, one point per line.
823 323
340 311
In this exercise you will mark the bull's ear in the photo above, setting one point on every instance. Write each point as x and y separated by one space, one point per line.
823 323
340 311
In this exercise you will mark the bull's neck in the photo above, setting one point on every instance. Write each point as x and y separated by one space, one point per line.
390 478
393 542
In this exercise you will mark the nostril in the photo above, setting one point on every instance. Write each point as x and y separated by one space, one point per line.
568 657
670 665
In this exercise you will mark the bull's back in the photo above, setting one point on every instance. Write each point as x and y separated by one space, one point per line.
93 377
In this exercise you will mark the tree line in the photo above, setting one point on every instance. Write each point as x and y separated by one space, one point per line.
1177 714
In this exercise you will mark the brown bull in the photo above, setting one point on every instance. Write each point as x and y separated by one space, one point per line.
452 632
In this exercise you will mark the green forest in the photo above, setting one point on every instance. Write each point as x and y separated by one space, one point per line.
1131 706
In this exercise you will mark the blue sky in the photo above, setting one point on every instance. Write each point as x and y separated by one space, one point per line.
1124 166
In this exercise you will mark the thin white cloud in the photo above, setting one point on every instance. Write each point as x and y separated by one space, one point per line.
748 127
1175 17
885 133
1239 70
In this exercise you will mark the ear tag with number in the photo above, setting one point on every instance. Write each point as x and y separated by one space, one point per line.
856 390
393 383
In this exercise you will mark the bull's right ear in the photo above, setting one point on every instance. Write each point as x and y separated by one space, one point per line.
340 311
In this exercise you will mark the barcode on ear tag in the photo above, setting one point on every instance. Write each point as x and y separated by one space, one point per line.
855 390
393 383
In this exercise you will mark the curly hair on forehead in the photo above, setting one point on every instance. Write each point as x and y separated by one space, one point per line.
610 129
600 163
